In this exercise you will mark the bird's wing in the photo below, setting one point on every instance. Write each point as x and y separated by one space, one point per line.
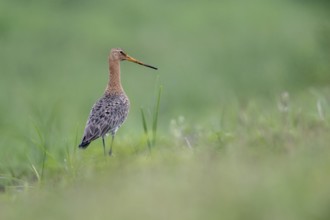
106 116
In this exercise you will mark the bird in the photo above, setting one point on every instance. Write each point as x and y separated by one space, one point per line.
111 110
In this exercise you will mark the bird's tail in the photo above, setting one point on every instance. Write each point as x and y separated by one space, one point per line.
84 144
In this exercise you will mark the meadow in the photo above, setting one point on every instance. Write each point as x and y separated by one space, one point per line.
243 119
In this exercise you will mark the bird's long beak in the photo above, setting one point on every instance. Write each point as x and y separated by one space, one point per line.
131 59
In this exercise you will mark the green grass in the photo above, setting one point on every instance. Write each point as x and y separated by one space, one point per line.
239 128
254 162
151 141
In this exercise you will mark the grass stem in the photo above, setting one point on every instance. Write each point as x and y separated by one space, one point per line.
145 128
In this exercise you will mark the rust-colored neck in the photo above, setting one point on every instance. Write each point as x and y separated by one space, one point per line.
114 83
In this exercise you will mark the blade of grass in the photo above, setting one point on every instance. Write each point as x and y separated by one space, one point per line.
34 170
42 146
145 128
155 116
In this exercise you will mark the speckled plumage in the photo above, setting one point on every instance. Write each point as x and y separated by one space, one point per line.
106 116
111 110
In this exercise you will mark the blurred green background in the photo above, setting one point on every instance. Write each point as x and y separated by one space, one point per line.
215 58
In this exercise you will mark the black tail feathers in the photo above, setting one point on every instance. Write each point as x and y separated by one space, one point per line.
84 144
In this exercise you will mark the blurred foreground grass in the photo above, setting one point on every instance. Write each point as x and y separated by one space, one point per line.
243 122
255 162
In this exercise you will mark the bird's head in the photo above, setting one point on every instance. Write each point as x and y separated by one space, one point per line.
119 54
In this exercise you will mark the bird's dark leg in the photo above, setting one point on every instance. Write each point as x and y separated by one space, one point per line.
103 145
112 139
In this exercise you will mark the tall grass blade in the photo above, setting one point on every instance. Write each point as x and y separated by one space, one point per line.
145 128
155 116
36 173
42 146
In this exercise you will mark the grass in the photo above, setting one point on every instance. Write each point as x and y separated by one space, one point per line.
239 128
259 162
152 141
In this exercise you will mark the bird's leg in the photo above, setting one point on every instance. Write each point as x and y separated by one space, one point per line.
103 145
112 139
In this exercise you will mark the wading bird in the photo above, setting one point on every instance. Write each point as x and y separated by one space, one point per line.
111 110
